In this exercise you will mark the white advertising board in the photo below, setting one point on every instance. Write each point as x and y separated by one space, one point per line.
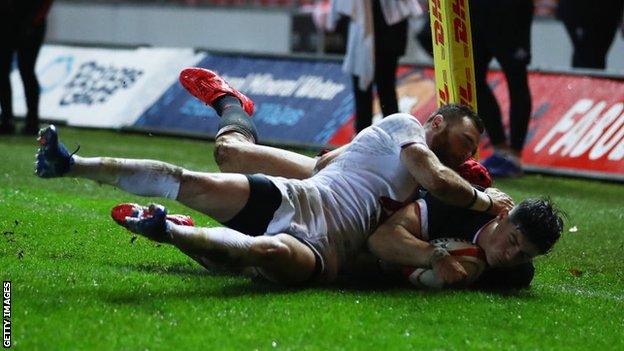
106 88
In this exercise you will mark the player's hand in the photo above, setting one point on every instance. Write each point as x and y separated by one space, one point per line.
449 270
326 158
501 202
322 162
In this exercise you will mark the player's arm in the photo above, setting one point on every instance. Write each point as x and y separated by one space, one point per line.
445 184
396 241
441 181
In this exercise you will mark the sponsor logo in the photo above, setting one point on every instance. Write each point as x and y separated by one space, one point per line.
438 26
453 55
95 84
441 59
310 87
460 29
462 54
55 73
275 114
588 127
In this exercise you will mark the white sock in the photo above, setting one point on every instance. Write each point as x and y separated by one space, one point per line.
140 177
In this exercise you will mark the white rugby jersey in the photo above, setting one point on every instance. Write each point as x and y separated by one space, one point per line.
370 168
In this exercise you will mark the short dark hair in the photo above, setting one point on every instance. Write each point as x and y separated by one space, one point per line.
455 112
540 221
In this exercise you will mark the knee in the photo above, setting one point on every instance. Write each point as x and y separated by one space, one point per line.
227 149
283 259
271 249
222 152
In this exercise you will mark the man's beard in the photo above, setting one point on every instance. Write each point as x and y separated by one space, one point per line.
441 148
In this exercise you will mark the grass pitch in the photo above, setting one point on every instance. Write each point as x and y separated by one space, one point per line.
81 282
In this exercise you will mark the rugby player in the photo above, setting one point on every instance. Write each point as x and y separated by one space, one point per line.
297 230
508 242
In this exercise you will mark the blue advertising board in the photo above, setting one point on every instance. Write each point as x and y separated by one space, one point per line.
298 102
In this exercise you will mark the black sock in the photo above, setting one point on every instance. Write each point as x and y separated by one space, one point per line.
234 118
225 102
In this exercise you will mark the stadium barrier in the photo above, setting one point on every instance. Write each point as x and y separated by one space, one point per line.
577 126
101 87
297 102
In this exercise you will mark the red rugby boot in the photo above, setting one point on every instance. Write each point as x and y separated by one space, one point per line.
121 211
207 86
150 222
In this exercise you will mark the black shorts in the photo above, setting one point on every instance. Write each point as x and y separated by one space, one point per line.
264 200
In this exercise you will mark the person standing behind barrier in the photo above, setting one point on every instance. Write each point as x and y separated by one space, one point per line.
22 29
501 29
377 38
592 26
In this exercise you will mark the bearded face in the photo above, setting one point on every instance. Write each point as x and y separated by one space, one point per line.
455 143
440 146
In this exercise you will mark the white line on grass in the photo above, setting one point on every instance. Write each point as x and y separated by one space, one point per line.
570 289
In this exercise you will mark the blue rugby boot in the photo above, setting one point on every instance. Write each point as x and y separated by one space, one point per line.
150 222
53 159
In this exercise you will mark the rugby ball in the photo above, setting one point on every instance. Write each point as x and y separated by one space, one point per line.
468 254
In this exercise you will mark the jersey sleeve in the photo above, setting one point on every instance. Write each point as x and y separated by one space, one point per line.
403 129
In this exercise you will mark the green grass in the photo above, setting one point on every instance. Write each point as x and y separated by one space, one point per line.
80 283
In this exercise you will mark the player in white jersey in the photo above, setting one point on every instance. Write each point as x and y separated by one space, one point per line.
294 230
339 206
